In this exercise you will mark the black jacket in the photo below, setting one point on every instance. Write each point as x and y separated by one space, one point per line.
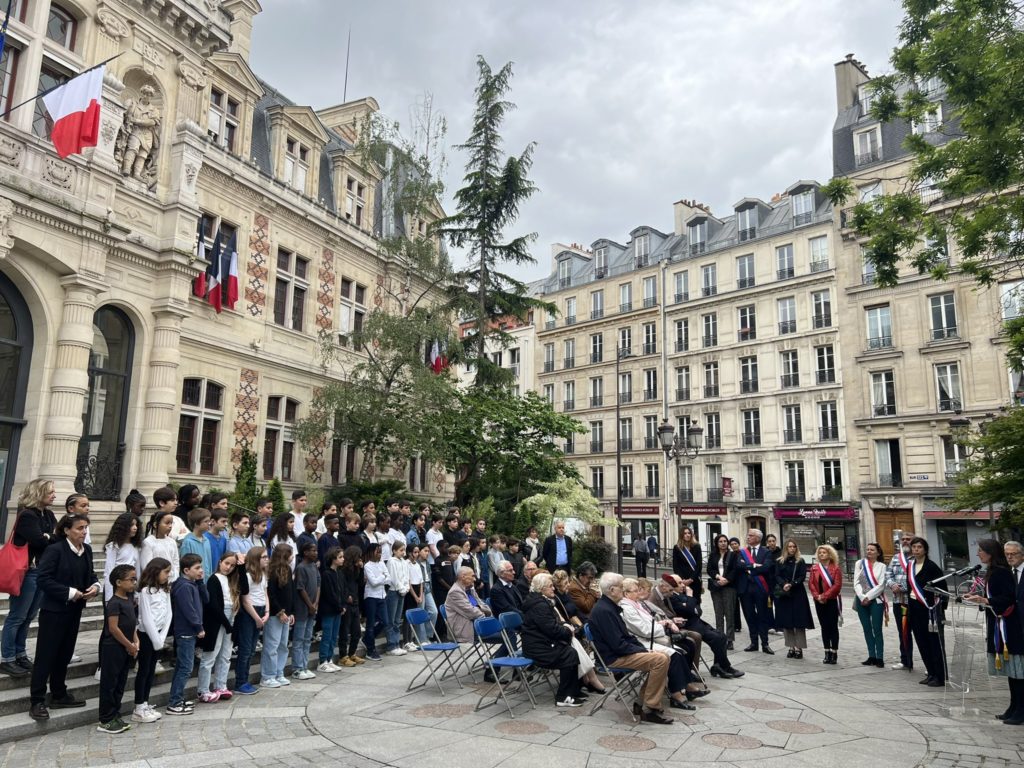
549 552
721 566
792 611
545 638
281 597
60 569
34 527
332 593
351 585
505 599
611 638
213 614
681 567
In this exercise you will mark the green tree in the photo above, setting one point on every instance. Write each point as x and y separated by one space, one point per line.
975 49
502 445
276 494
494 186
247 490
994 473
565 497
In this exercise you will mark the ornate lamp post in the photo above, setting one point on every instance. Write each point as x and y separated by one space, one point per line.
677 447
620 354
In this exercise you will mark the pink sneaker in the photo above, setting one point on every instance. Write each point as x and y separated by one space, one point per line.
224 693
209 697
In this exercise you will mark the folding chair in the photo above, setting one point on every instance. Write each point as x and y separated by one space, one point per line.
510 622
475 657
488 626
627 678
443 651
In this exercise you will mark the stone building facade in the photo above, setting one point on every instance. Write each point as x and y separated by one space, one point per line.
114 374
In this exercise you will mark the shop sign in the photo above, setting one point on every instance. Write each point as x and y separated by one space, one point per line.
699 511
651 510
815 513
949 514
797 530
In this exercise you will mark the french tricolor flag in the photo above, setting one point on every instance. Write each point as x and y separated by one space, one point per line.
75 110
231 253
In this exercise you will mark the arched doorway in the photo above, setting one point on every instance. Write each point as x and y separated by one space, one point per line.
15 356
104 415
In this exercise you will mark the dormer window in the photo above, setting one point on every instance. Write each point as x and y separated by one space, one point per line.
930 123
867 146
746 223
865 97
930 85
803 208
642 249
698 237
296 164
222 120
564 273
601 262
355 202
61 27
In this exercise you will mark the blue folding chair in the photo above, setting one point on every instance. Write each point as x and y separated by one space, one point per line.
617 675
435 653
510 622
488 626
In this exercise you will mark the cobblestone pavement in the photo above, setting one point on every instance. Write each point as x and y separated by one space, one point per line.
782 713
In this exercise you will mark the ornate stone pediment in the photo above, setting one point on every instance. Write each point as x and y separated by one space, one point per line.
235 68
303 118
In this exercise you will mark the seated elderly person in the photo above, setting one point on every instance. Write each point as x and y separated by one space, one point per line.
657 636
678 600
619 648
663 609
463 606
583 590
530 569
548 641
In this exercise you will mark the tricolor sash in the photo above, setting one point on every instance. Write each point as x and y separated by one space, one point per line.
869 575
912 583
690 558
749 557
823 571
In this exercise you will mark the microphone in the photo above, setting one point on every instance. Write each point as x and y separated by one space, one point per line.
970 570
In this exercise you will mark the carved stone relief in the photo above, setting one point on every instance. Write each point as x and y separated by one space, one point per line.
112 25
6 214
137 147
11 151
58 173
192 75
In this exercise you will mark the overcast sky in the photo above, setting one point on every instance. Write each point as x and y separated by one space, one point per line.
634 104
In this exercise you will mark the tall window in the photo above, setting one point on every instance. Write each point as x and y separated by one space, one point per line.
748 374
879 322
867 146
713 430
792 424
569 348
947 379
296 164
651 441
746 223
597 305
564 273
828 420
625 339
787 315
549 357
650 338
784 261
596 392
682 335
796 487
105 409
747 323
651 384
222 120
745 271
596 436
355 200
883 393
596 347
548 392
803 208
50 76
681 281
351 310
569 402
755 482
61 27
826 364
711 379
683 382
709 279
625 297
751 426
290 287
343 462
625 387
643 249
790 368
202 411
570 310
653 487
710 323
278 440
600 261
714 489
650 286
597 481
889 463
832 480
626 479
819 253
943 310
16 356
626 434
8 75
821 303
1011 297
698 236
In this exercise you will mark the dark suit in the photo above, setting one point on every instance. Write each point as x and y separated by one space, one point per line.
753 582
549 553
681 567
505 598
1020 594
688 608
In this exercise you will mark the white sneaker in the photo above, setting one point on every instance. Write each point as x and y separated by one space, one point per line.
568 701
304 674
325 667
97 675
282 680
411 647
152 711
897 665
75 658
335 667
397 652
143 715
159 669
270 682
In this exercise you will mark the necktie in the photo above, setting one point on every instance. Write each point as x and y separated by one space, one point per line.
1016 576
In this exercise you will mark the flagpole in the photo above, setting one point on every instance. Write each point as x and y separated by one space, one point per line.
61 85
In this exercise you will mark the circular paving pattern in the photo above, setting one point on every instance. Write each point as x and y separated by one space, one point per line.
759 704
521 727
794 726
442 710
626 743
731 741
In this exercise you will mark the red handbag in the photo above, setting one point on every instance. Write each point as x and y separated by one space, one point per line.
13 564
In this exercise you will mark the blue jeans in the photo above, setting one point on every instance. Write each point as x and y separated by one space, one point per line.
248 634
185 659
330 626
393 605
275 648
23 610
301 638
425 632
373 609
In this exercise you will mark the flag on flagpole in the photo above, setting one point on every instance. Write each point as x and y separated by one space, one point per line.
74 108
438 361
199 282
214 275
231 254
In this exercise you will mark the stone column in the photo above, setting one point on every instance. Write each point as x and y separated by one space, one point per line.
69 382
158 431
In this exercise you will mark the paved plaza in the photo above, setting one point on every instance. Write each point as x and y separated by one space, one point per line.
783 712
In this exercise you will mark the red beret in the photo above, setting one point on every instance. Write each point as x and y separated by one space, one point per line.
669 579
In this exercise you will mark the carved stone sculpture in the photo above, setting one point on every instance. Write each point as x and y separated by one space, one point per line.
138 141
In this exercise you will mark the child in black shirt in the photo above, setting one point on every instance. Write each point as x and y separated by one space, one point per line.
119 641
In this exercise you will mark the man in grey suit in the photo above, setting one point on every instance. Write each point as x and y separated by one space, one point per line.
463 606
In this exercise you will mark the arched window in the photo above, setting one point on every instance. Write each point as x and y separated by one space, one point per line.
15 354
101 449
61 27
202 410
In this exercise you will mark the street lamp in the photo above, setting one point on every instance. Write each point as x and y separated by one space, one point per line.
677 447
620 354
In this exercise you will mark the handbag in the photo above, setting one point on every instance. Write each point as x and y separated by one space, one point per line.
779 592
13 564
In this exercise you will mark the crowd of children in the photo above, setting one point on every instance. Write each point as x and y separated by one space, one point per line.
216 583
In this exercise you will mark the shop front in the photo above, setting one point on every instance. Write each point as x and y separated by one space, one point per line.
706 521
953 535
812 526
641 521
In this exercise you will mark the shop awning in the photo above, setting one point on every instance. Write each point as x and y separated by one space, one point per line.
814 513
951 514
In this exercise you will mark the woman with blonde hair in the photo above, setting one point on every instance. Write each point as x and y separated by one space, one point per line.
33 527
792 611
826 582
